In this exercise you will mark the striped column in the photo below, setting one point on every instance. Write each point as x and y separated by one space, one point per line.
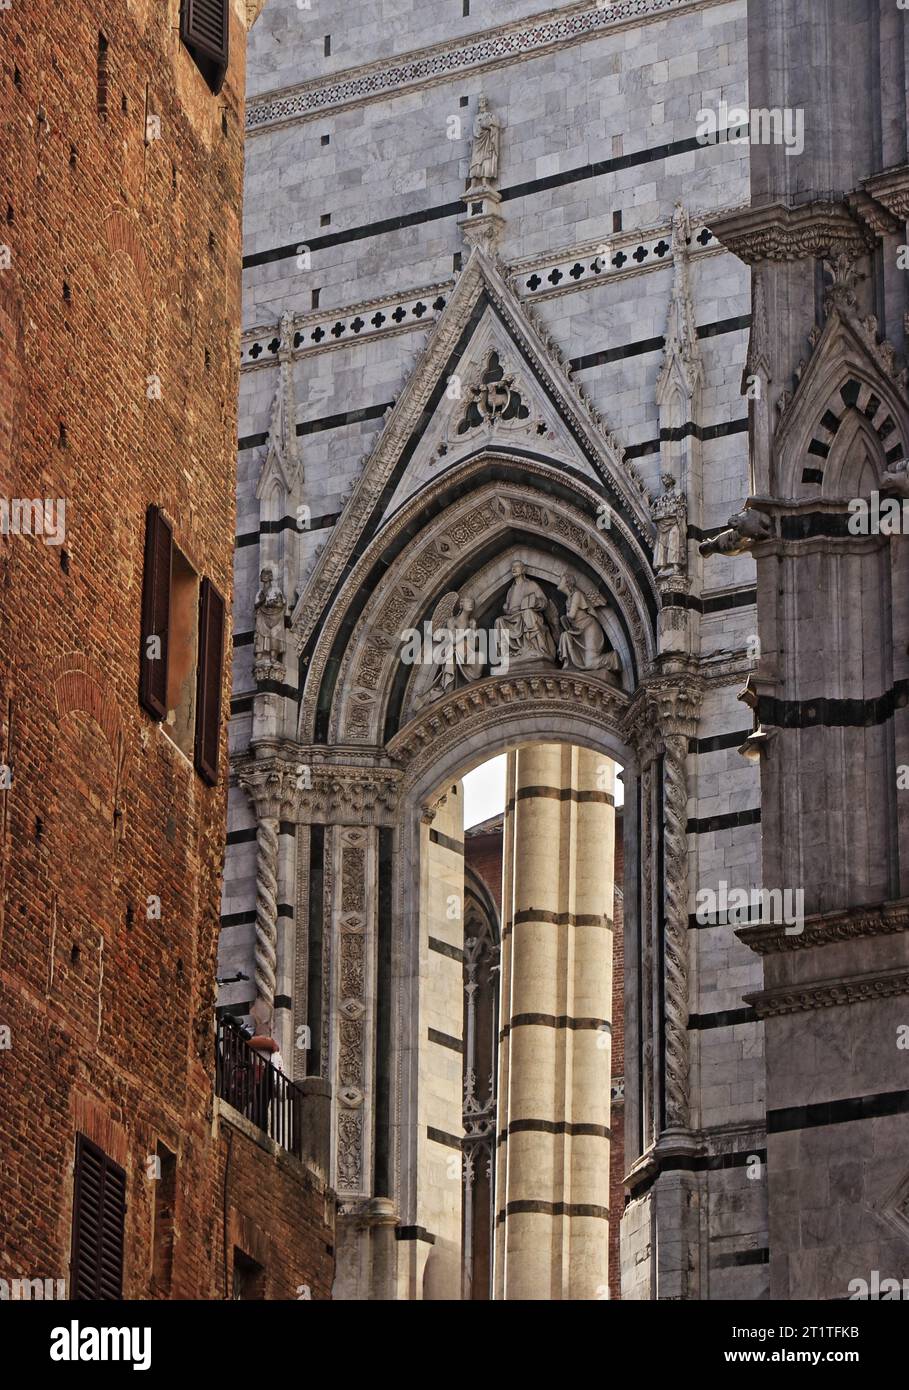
553 1190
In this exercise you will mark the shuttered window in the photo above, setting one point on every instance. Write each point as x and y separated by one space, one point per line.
204 28
99 1214
155 614
208 686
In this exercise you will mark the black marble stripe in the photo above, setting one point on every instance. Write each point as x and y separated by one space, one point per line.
703 1163
438 1136
732 820
717 742
704 433
739 1259
724 1018
721 919
530 1206
838 1112
344 417
283 1001
243 919
560 794
554 1127
414 1233
601 1025
716 603
444 949
287 523
445 1040
636 158
446 842
561 919
832 713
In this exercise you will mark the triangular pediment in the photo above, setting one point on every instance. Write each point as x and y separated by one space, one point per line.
487 380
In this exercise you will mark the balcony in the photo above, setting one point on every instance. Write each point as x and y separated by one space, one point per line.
258 1091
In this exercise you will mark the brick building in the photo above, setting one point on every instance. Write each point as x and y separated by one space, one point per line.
120 198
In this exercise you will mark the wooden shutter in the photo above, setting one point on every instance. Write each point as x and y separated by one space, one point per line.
208 682
204 27
155 612
99 1215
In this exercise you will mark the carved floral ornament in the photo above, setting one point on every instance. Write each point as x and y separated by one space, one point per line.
292 787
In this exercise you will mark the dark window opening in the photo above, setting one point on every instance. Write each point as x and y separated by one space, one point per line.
165 1178
315 298
617 221
102 76
99 1216
327 46
249 1277
182 649
204 29
325 219
326 139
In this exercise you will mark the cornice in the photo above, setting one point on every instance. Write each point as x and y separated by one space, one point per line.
428 67
891 188
286 786
827 929
827 994
780 233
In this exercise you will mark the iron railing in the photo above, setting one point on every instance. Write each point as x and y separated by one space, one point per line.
255 1088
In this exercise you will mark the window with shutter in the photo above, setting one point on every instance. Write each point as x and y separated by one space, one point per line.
99 1215
208 689
155 614
204 28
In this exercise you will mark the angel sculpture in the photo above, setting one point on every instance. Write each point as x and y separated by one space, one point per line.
455 637
526 629
582 645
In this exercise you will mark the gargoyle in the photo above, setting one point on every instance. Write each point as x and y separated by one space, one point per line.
745 530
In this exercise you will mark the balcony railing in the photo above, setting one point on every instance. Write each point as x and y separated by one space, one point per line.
264 1095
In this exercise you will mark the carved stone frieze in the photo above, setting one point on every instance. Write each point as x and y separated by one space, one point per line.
828 928
353 1022
780 233
293 787
827 994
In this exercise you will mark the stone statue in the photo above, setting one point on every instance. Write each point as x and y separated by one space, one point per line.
744 531
670 512
270 642
454 629
582 644
526 628
484 158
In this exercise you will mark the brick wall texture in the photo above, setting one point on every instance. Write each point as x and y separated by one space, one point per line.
119 310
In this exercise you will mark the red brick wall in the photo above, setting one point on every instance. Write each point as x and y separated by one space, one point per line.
109 1011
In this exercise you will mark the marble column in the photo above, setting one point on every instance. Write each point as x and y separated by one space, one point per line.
553 1188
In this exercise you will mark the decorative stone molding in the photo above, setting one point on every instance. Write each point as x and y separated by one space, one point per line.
667 708
826 929
483 705
827 994
891 188
352 1023
780 233
261 345
291 786
426 67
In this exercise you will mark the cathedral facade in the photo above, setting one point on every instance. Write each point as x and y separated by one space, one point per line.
572 341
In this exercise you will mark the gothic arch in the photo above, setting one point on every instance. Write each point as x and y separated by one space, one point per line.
471 522
850 377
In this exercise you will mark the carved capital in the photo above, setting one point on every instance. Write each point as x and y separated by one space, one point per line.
271 786
780 233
